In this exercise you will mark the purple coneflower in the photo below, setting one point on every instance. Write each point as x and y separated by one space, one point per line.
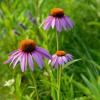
57 19
60 58
28 50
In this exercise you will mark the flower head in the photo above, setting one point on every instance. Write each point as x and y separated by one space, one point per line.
57 19
9 82
57 12
28 50
60 58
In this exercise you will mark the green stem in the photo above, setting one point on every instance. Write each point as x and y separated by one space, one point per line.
57 40
59 70
59 81
37 10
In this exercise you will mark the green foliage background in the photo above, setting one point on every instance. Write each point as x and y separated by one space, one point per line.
81 80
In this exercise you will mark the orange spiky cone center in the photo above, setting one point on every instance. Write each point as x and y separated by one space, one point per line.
60 53
27 45
57 12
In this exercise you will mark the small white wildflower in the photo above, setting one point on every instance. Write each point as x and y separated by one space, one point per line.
9 82
46 73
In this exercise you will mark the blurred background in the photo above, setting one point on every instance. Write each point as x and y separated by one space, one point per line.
21 19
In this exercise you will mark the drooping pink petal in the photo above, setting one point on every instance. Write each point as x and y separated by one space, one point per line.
14 53
53 23
47 24
60 60
17 60
43 52
69 57
26 56
58 25
61 24
30 61
37 59
56 63
68 22
47 19
67 25
51 59
62 20
64 59
23 62
40 57
54 58
11 57
8 61
14 57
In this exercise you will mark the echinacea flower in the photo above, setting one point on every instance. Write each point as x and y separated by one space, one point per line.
57 19
28 50
60 58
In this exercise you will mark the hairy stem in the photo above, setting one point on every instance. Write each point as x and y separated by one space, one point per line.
57 41
59 81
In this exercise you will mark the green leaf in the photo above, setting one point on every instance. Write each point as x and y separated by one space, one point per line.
71 62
